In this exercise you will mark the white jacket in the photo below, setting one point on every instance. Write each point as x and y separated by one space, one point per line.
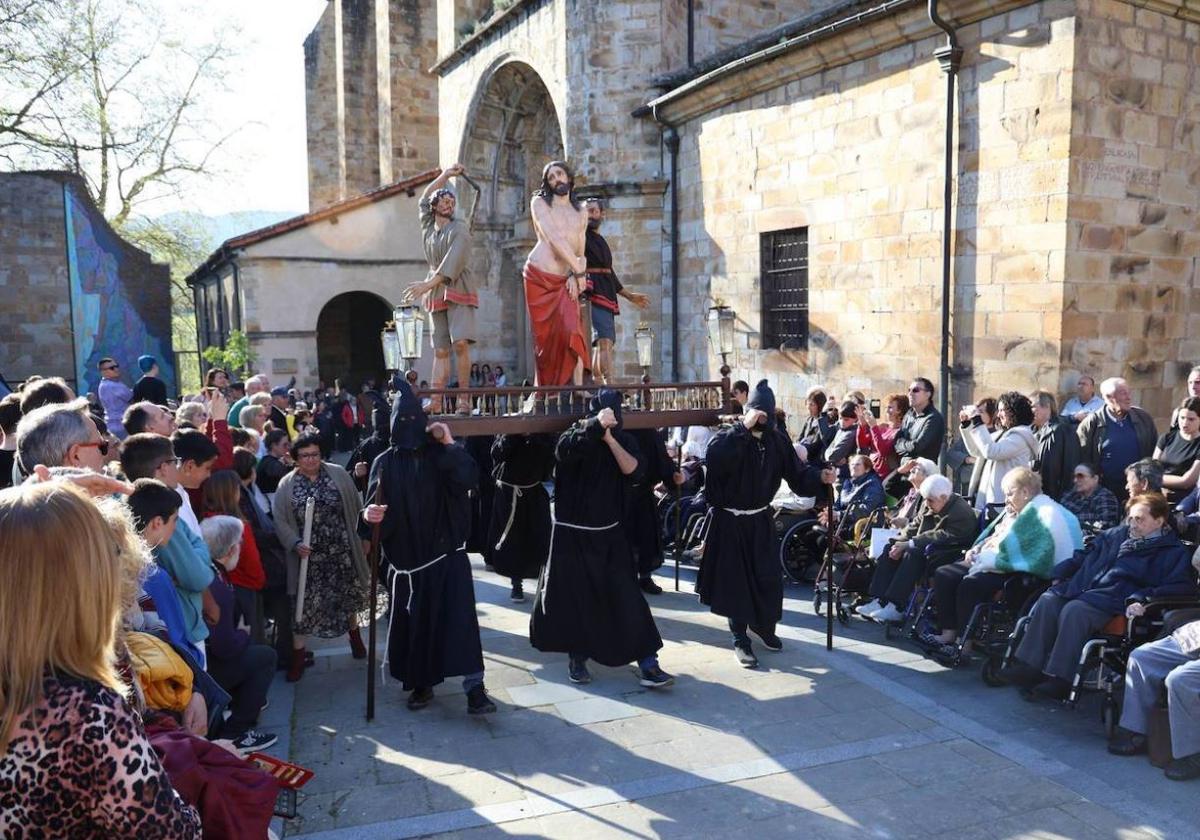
994 457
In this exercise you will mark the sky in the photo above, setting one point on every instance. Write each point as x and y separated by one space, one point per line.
264 167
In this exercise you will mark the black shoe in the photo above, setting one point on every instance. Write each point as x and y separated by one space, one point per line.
655 677
517 595
770 640
478 702
745 655
252 741
1183 769
649 586
1053 688
1125 742
419 698
1021 675
577 671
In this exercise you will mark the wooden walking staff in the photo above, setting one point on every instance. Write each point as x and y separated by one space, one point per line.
373 559
309 507
829 572
678 511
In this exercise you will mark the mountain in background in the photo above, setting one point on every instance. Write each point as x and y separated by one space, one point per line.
211 231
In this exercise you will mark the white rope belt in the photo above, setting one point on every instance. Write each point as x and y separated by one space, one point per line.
544 585
737 512
512 513
396 575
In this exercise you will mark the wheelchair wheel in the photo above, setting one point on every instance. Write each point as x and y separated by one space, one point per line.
794 556
991 673
818 601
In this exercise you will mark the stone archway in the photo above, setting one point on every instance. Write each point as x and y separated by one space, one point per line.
348 346
512 131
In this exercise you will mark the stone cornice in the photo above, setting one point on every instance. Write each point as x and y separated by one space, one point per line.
495 27
834 43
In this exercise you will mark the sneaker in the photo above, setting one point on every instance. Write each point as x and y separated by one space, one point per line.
770 641
868 609
419 699
745 655
1183 769
887 613
577 672
252 741
649 586
517 595
655 677
478 702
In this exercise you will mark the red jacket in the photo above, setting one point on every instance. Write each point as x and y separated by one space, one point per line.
249 573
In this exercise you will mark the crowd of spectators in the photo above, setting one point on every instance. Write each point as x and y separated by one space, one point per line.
170 633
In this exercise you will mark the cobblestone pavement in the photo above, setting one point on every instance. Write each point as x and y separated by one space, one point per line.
870 740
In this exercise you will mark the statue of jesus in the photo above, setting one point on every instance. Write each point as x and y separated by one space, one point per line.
555 274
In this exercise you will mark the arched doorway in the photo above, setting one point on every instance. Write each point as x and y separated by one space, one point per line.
348 346
513 130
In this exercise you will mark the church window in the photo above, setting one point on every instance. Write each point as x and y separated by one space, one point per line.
784 289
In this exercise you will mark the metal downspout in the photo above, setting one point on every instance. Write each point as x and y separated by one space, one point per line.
671 141
949 57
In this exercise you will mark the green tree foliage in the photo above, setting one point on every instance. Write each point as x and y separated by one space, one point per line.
235 357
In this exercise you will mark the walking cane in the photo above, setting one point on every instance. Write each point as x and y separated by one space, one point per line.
829 572
373 559
678 511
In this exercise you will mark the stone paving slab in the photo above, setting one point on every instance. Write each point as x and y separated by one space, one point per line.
865 741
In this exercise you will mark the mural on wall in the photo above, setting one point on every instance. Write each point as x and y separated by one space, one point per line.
103 318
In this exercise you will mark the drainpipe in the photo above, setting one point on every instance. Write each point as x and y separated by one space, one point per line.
691 32
949 57
671 141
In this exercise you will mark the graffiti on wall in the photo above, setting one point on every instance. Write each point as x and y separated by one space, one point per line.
105 320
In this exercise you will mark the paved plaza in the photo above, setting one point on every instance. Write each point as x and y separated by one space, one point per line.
871 740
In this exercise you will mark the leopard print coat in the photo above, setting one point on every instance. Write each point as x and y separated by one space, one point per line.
79 765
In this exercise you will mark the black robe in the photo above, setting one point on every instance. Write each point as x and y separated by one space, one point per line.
434 630
365 453
479 447
519 531
739 574
588 601
641 508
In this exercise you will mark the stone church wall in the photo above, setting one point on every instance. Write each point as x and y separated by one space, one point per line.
855 154
1132 305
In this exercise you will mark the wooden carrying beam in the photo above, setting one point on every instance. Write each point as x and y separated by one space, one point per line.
533 410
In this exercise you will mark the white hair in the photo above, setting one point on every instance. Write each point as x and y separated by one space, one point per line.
1111 384
935 487
256 383
221 534
927 467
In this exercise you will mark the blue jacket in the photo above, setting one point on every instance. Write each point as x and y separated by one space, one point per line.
867 492
1110 574
191 572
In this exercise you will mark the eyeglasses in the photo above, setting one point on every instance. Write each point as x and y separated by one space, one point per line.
301 456
1082 475
915 390
111 367
102 445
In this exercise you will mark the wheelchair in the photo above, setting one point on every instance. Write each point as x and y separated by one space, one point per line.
851 559
792 517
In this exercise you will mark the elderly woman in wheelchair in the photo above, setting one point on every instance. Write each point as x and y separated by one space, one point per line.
1025 542
1123 568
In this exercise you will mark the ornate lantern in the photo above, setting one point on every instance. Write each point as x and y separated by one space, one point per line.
410 327
644 339
721 320
391 347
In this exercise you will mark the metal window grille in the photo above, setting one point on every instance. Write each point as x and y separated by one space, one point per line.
785 289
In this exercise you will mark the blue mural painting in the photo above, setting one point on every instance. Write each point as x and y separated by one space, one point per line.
105 320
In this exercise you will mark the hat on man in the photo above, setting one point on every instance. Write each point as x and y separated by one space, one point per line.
279 391
145 363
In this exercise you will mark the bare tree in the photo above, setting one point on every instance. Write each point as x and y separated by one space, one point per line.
115 95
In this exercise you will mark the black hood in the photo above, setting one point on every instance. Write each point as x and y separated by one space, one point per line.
606 398
379 415
408 419
763 398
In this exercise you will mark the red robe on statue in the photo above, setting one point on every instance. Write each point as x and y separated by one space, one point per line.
558 342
